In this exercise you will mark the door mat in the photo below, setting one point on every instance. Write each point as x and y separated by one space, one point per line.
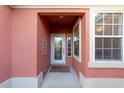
60 69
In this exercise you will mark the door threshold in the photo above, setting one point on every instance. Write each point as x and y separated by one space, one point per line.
59 65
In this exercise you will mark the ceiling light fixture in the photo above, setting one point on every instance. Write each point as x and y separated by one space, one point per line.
61 17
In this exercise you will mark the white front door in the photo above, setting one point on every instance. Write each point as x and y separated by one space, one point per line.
58 52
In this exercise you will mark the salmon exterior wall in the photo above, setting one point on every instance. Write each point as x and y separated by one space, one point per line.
28 17
28 30
43 33
24 43
81 67
20 43
66 30
5 43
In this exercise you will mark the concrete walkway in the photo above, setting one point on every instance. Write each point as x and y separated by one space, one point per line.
61 80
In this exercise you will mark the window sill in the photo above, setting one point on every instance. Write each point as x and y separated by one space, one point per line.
77 58
117 64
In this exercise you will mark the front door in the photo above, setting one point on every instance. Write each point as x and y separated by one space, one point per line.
58 52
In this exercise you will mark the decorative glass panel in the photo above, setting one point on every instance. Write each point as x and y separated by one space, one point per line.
69 42
58 48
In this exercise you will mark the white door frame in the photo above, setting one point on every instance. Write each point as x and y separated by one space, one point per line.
63 61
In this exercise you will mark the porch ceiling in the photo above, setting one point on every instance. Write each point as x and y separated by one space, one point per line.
63 20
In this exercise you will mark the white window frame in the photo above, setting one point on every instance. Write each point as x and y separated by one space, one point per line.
76 57
71 44
104 63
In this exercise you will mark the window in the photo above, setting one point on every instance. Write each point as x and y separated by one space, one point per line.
77 41
108 36
69 45
106 39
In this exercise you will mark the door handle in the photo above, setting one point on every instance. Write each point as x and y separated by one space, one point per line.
63 50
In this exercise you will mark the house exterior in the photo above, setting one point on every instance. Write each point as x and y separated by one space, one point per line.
89 38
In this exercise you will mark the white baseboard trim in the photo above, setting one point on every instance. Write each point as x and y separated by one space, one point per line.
101 82
104 83
36 82
6 84
82 79
40 79
23 82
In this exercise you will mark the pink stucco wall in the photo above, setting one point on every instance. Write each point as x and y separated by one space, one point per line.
43 33
21 34
81 67
5 43
24 43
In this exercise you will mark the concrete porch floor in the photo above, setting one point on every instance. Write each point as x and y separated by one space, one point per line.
61 80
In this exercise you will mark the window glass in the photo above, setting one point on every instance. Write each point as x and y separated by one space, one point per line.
107 29
108 18
98 43
118 29
58 48
99 29
76 40
108 36
107 42
118 18
98 53
116 43
116 54
99 18
107 53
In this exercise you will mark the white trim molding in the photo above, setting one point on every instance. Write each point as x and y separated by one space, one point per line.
101 7
106 65
27 82
6 84
80 44
40 80
82 79
101 82
23 82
